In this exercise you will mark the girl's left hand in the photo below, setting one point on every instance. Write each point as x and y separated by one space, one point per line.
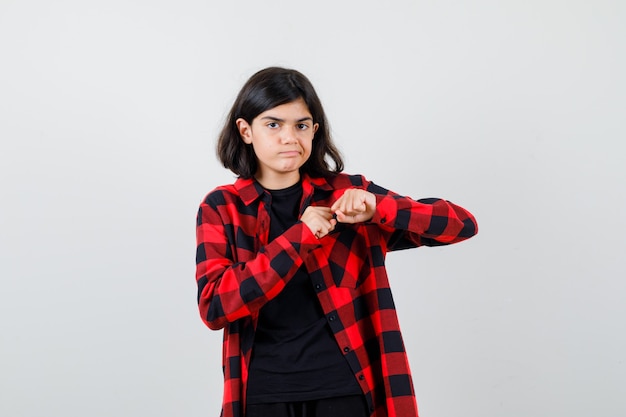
355 206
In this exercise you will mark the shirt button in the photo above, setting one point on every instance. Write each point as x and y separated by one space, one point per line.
361 377
383 220
331 318
346 349
318 286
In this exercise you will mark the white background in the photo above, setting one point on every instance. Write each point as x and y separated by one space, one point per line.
109 111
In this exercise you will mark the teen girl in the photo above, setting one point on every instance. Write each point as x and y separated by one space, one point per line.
291 264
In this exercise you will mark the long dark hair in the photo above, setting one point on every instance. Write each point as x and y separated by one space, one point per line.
265 90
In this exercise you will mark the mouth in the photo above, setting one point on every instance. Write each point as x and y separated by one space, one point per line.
290 153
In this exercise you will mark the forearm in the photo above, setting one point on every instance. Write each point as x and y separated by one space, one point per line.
228 290
427 222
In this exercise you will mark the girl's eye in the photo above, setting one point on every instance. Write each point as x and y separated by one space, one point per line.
272 125
303 126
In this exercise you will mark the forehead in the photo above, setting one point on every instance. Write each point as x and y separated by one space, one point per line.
294 110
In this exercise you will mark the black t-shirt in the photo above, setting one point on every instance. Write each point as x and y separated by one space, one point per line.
295 356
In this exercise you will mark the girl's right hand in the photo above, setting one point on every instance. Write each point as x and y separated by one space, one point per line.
319 219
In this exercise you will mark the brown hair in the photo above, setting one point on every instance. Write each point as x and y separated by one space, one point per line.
265 90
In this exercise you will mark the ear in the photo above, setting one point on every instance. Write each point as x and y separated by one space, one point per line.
245 130
315 126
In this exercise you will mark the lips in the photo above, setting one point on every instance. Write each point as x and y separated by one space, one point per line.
290 153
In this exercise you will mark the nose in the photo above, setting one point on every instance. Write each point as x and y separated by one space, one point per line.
289 135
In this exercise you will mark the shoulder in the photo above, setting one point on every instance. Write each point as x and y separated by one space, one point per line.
343 180
221 196
244 190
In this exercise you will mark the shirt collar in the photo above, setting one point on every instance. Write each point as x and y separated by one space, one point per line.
249 189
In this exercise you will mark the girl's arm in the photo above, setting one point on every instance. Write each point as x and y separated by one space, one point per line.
405 222
228 291
424 222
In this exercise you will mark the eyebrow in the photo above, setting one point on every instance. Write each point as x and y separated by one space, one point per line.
276 119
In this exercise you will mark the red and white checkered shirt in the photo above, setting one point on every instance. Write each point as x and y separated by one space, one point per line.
238 271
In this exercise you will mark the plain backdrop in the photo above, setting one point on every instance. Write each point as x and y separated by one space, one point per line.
109 112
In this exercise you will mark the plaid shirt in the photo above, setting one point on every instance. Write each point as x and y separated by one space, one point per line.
238 271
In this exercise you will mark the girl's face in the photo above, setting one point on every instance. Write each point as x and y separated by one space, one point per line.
282 138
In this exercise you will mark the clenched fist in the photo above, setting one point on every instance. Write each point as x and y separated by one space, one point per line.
354 206
319 219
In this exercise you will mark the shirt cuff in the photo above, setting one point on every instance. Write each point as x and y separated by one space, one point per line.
386 211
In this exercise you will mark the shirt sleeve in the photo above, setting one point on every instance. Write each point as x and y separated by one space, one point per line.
425 222
229 290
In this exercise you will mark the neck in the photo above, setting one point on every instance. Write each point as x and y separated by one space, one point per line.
278 182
